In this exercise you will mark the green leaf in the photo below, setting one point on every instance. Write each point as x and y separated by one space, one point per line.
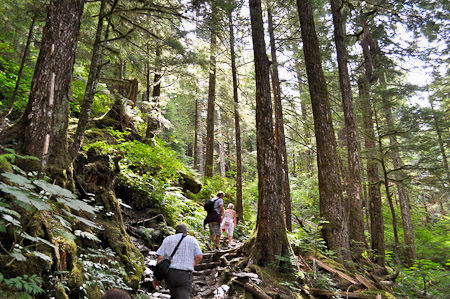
1 277
10 219
17 254
54 189
77 205
38 239
24 197
2 227
87 235
18 179
42 256
64 222
10 212
83 220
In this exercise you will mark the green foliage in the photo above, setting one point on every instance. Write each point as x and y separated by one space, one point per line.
101 270
424 276
20 287
309 239
8 78
25 191
433 240
102 99
157 164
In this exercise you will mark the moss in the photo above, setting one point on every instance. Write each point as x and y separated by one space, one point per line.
60 293
374 293
5 166
93 292
76 278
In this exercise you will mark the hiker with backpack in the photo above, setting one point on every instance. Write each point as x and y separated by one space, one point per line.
183 253
214 209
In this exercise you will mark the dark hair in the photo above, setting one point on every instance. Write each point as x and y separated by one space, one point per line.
220 193
181 228
116 294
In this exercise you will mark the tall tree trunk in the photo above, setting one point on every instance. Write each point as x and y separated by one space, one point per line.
356 219
221 144
271 238
26 52
209 159
441 142
279 128
237 126
199 135
152 116
331 199
304 115
403 195
388 192
91 85
196 127
376 207
42 129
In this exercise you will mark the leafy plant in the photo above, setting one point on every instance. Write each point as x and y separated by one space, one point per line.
36 196
101 270
21 287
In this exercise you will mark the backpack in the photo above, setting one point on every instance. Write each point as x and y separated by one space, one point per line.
209 205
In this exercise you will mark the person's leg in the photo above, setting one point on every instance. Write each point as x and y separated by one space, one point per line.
180 284
218 242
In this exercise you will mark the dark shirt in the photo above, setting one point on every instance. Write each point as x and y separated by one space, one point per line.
211 217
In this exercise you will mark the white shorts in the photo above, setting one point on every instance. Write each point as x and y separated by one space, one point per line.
229 229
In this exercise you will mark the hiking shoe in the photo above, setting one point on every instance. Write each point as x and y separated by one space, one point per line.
229 246
218 249
208 244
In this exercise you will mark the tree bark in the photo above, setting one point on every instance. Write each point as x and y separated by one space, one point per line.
403 195
209 158
376 207
43 126
441 142
237 126
91 85
388 193
373 178
279 128
221 144
330 189
356 219
152 115
271 238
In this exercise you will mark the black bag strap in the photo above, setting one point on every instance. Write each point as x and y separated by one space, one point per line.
175 250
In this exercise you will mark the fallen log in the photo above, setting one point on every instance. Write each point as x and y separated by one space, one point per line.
332 270
365 282
344 294
253 289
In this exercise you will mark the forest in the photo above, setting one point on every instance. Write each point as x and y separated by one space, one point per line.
325 123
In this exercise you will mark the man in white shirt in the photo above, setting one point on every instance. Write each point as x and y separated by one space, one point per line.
188 255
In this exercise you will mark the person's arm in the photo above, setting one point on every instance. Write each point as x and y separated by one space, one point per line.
155 281
221 209
198 259
235 219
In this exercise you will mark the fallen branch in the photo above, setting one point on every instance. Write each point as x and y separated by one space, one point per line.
365 282
149 219
344 294
332 270
253 288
